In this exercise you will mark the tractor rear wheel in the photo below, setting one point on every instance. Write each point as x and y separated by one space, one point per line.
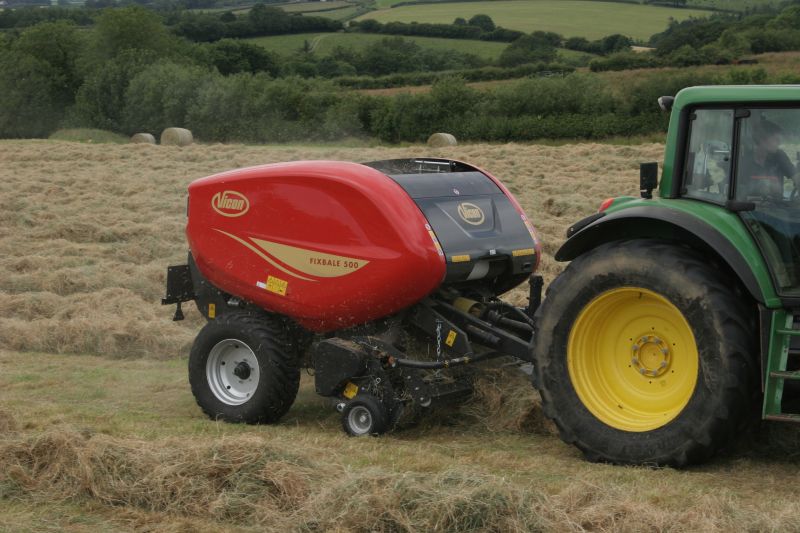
643 354
242 368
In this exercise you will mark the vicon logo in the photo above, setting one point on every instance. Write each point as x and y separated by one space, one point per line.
471 213
230 203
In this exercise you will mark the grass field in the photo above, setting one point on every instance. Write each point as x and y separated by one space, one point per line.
570 18
305 7
99 431
732 5
323 44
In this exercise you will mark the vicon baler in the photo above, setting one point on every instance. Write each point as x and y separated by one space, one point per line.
382 277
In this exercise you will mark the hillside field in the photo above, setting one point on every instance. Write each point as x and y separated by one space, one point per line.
570 18
99 431
323 44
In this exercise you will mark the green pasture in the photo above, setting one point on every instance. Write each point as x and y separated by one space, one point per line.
571 18
342 13
732 5
323 44
313 7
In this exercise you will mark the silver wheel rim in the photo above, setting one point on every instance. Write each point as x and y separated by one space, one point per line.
232 372
360 420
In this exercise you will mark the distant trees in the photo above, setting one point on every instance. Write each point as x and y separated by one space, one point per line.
484 22
459 29
260 20
39 76
539 46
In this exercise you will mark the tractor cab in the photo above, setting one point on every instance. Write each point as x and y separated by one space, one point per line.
740 158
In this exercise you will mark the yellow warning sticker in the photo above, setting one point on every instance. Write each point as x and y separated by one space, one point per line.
277 285
451 338
350 390
459 258
523 252
212 310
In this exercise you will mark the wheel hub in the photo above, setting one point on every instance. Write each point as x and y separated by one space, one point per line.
232 371
242 370
360 420
651 356
632 359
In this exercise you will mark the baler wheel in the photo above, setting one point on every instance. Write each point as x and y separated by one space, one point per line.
644 354
365 415
242 368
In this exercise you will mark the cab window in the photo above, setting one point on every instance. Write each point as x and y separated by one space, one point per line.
708 159
767 181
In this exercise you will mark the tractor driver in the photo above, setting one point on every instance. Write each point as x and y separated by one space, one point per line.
765 167
762 171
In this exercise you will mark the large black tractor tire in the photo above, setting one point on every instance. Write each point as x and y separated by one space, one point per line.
644 354
242 368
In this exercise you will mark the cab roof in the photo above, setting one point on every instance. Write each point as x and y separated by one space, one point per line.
736 94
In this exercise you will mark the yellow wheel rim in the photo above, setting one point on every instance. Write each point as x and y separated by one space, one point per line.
632 359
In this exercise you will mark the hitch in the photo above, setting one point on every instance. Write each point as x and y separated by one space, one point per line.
179 288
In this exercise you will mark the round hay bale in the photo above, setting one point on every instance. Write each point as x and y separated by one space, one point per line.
143 138
441 139
176 137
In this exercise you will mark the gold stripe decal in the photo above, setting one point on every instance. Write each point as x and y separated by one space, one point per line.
460 258
526 251
262 255
308 262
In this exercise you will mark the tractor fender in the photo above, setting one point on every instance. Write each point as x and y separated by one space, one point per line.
661 223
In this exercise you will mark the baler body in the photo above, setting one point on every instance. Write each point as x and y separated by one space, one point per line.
335 244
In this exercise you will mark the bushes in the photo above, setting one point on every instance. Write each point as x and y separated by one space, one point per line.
100 101
38 79
624 61
536 47
160 96
30 105
260 20
471 75
477 28
255 108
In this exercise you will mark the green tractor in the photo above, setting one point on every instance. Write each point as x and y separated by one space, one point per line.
677 313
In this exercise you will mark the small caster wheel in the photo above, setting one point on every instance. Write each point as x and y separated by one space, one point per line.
364 415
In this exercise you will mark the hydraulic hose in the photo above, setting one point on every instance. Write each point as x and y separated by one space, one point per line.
447 363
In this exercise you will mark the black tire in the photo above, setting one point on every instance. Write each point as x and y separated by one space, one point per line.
276 376
721 323
365 415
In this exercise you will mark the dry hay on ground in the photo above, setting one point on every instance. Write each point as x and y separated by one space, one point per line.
255 483
82 269
83 252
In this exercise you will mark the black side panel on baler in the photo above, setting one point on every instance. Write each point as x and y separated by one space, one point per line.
484 238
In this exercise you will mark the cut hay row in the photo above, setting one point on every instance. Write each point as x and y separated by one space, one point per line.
252 483
83 253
